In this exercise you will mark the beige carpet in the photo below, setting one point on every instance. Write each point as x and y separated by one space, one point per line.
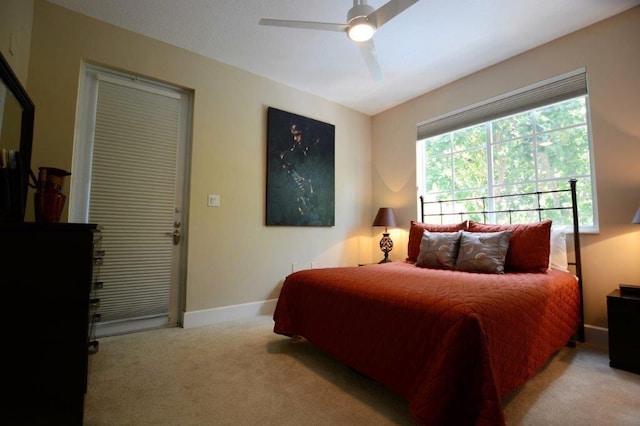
241 373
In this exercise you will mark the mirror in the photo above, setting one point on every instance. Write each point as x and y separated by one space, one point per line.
16 135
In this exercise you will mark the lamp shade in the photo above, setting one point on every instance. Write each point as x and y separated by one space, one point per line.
385 217
636 218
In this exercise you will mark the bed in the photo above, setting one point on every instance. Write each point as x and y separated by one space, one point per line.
452 340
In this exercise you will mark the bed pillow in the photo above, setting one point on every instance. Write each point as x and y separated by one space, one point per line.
558 257
416 231
438 250
529 246
483 252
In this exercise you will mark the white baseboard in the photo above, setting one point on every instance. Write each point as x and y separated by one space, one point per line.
596 336
228 313
114 328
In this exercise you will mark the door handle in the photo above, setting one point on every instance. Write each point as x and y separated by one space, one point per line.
175 235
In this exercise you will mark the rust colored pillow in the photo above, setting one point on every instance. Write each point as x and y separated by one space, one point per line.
529 246
418 228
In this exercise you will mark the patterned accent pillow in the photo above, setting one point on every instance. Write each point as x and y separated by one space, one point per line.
439 250
415 235
529 246
483 252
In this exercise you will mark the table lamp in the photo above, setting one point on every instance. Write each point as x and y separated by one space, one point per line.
386 217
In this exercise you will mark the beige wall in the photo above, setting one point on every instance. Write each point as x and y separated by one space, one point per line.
233 257
15 35
611 54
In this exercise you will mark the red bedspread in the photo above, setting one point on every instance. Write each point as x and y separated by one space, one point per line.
452 343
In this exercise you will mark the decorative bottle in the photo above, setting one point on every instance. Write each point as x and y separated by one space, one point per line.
49 199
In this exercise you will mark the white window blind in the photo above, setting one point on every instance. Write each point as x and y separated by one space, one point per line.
558 89
132 196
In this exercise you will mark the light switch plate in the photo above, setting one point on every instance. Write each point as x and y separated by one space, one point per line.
213 200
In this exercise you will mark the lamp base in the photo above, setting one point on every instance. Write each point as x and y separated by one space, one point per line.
386 245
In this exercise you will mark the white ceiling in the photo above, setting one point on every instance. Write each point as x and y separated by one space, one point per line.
432 43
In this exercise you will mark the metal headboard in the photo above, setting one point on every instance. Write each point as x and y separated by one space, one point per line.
486 213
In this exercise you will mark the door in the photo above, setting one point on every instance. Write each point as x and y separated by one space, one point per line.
128 177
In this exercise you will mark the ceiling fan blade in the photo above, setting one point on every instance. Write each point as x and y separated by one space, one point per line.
368 50
389 10
326 26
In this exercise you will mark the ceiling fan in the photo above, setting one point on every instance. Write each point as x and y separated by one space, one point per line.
362 22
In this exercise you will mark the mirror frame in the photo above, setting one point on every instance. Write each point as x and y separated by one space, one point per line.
14 86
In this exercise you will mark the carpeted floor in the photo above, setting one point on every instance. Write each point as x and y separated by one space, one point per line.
241 373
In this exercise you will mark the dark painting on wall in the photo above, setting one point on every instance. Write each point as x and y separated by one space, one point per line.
300 170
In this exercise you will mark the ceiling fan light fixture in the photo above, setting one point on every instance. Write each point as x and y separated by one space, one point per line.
360 29
362 23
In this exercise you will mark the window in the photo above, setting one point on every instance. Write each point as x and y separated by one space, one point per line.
538 149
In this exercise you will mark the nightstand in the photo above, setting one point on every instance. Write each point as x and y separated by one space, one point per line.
623 314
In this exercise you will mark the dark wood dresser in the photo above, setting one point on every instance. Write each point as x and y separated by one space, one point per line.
48 272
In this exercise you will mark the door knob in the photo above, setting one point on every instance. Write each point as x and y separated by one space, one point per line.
175 235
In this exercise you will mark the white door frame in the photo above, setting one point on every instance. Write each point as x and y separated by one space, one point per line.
81 183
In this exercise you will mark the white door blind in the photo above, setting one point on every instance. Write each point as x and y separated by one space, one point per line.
558 89
132 197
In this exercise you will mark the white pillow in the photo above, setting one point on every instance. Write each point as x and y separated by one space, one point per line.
558 255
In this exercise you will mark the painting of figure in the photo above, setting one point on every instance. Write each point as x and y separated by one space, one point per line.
300 170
